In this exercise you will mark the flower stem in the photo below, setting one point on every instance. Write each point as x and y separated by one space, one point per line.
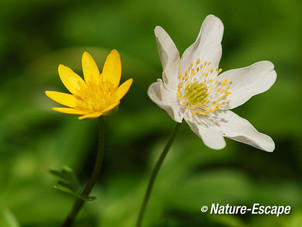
154 174
92 180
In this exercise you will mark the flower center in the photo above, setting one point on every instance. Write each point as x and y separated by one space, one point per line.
196 94
200 90
97 96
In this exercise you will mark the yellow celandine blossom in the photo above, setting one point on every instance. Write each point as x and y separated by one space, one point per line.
98 94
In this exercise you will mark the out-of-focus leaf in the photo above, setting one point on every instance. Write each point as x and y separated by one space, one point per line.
67 178
69 183
227 220
293 220
7 219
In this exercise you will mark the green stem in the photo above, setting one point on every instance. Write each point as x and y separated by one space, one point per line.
154 174
92 180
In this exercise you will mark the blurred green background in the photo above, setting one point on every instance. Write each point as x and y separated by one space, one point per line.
36 36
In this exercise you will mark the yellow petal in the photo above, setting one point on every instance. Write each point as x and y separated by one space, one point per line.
90 69
99 113
112 69
91 115
110 107
123 89
69 110
72 81
62 98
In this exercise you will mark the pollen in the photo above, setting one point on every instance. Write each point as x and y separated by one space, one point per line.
200 90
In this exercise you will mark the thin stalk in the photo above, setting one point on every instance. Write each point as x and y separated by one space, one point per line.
154 174
93 178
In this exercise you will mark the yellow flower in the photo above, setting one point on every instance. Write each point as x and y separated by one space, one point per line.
96 95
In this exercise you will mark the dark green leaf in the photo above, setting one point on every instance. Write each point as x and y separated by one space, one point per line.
67 181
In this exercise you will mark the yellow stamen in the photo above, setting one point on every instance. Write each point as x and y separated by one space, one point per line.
195 94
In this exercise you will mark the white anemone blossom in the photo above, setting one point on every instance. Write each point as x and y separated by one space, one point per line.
193 88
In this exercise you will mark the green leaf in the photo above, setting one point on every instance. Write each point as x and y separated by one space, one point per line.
67 181
8 219
65 188
87 198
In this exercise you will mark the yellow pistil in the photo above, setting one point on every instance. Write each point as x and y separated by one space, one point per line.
200 90
196 94
98 94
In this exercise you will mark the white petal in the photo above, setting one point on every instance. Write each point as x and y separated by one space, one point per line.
169 57
241 130
207 46
210 136
249 81
166 100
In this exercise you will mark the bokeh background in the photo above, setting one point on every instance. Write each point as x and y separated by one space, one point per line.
36 36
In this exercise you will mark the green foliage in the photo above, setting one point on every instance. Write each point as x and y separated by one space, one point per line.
7 219
69 183
37 36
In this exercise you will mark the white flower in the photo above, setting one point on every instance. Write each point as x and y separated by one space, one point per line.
193 88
